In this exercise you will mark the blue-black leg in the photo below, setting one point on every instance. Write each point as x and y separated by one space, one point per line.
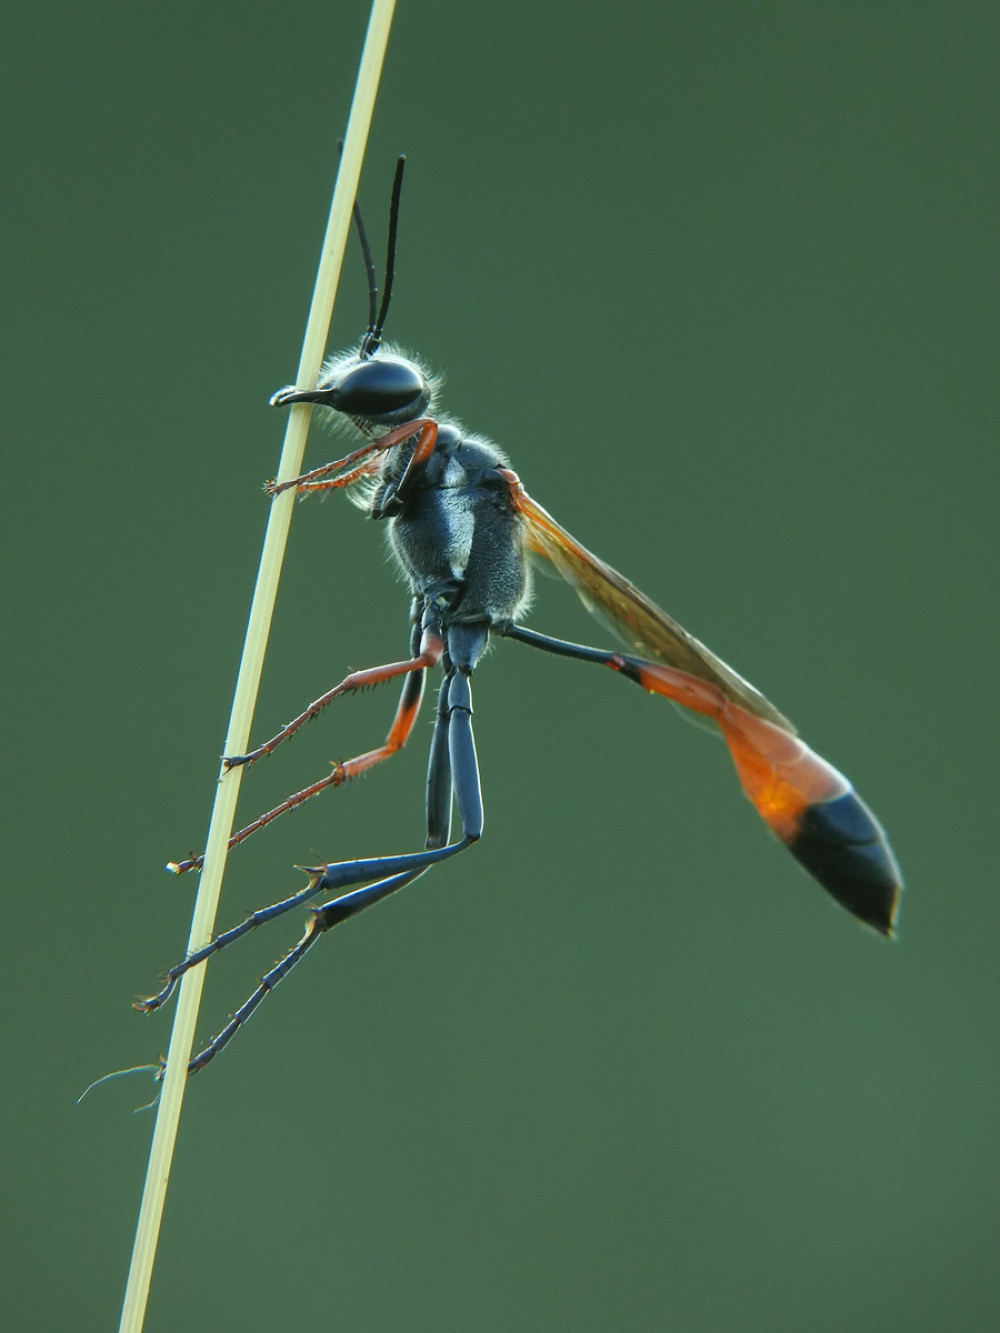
407 868
400 869
439 789
254 920
462 753
281 969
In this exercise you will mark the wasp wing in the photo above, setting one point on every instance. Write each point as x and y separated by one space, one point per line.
638 621
803 799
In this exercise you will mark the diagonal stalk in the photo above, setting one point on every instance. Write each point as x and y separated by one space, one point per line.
248 679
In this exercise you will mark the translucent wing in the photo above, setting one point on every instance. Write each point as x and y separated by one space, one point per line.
804 800
640 623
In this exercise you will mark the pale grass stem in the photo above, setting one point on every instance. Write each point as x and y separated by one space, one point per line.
248 679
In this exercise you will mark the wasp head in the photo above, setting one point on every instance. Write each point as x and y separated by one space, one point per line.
386 389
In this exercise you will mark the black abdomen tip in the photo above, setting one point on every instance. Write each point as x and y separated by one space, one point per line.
842 844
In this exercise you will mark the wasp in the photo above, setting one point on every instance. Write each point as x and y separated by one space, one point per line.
464 531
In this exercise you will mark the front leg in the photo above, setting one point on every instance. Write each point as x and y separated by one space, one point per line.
352 466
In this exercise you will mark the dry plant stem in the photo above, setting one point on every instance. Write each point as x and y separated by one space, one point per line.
224 808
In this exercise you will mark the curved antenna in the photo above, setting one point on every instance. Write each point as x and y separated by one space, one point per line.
373 338
366 252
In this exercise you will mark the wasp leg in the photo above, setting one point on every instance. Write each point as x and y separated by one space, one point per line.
284 966
439 786
343 770
430 650
398 435
399 733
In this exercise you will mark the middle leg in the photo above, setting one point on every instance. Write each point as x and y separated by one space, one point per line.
428 650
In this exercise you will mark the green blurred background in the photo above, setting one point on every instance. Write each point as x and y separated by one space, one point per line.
722 279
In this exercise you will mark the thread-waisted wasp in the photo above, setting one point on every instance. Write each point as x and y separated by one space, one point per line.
463 529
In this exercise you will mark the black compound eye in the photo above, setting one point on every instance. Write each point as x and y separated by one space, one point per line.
383 387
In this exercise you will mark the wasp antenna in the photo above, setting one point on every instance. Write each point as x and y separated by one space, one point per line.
366 252
374 336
